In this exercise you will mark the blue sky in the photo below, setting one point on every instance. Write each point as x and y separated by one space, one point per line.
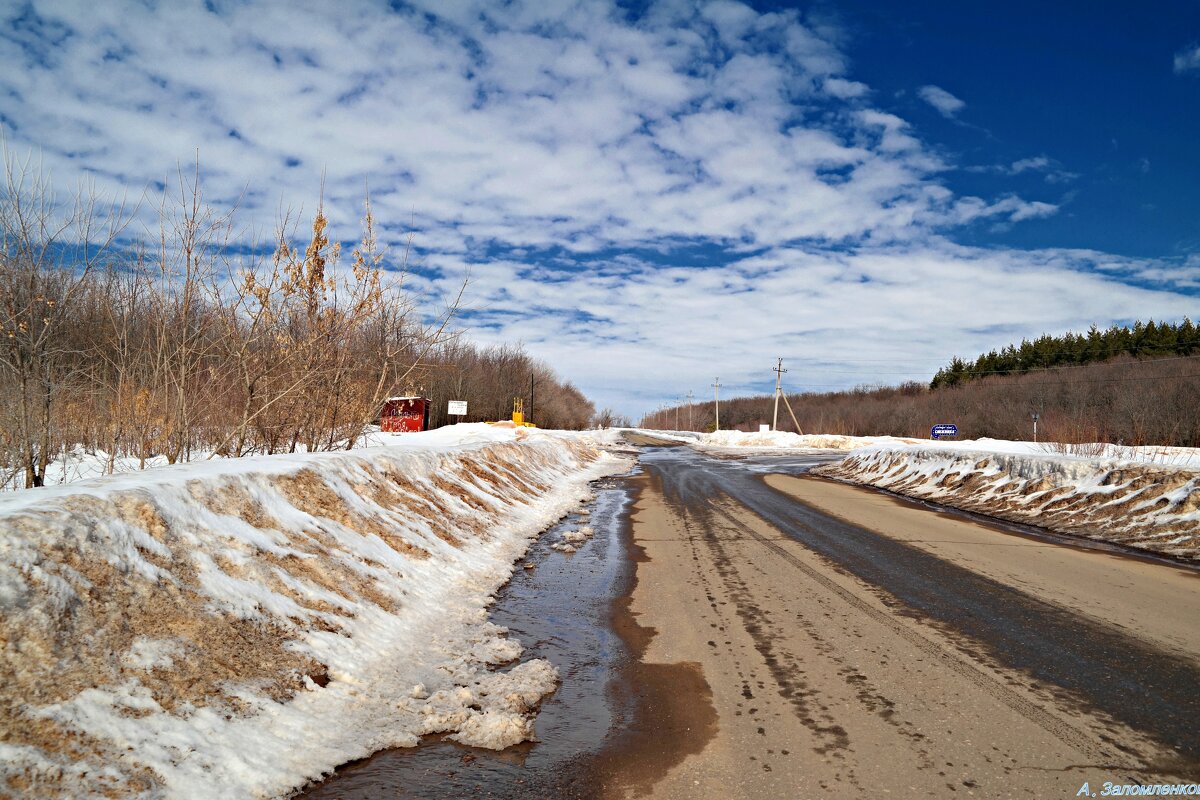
652 195
1089 88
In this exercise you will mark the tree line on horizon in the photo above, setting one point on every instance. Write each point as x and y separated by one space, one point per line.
1141 340
1132 401
180 342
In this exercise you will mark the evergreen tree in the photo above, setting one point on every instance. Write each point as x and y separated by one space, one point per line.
1143 340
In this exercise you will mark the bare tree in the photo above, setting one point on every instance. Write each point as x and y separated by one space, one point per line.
47 255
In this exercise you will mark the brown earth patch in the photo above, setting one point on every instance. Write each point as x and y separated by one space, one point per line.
674 714
456 490
307 491
232 498
420 504
51 660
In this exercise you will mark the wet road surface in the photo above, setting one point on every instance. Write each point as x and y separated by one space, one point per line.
1154 692
855 643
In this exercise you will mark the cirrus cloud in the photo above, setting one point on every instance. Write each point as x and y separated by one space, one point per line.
1187 59
946 104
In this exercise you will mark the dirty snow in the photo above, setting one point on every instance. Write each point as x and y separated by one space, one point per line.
1145 498
776 440
238 627
783 440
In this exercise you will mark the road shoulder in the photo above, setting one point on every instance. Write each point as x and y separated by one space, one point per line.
1156 602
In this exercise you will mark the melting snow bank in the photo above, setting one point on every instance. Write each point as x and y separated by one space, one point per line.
776 440
1137 504
238 628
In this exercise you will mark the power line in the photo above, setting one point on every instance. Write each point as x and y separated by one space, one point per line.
1114 350
834 388
838 388
1111 380
1009 370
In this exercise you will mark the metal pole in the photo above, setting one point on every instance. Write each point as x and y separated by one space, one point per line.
717 403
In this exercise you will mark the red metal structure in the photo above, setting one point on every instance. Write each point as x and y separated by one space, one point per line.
404 415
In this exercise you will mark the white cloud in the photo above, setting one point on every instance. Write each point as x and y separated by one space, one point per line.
844 89
654 332
1037 163
1188 59
548 147
946 104
1051 169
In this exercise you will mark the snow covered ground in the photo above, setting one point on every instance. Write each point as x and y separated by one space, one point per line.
783 440
238 627
80 464
1141 497
1147 498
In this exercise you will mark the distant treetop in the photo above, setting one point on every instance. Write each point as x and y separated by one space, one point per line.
1143 340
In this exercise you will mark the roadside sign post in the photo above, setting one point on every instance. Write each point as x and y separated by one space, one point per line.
457 408
945 430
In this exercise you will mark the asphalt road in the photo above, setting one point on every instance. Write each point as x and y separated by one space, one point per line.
834 639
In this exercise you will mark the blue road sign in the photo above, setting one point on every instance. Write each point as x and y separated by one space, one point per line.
944 430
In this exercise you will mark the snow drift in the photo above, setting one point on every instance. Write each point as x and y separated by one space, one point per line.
777 440
238 628
1142 504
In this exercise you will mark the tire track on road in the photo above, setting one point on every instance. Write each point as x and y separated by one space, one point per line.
952 661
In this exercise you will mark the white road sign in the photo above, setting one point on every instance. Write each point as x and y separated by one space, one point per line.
457 408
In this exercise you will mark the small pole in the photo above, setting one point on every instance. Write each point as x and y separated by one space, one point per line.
689 399
1036 416
795 421
779 370
676 417
531 397
717 403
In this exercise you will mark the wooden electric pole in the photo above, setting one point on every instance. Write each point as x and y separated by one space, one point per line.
690 399
779 370
717 403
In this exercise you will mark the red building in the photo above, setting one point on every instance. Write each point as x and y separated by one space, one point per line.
404 415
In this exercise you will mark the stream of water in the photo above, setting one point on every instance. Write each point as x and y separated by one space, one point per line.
559 610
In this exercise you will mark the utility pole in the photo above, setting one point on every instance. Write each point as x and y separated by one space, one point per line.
717 403
779 370
689 399
676 417
1036 416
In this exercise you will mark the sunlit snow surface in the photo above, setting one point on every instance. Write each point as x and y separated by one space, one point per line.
1147 498
237 627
